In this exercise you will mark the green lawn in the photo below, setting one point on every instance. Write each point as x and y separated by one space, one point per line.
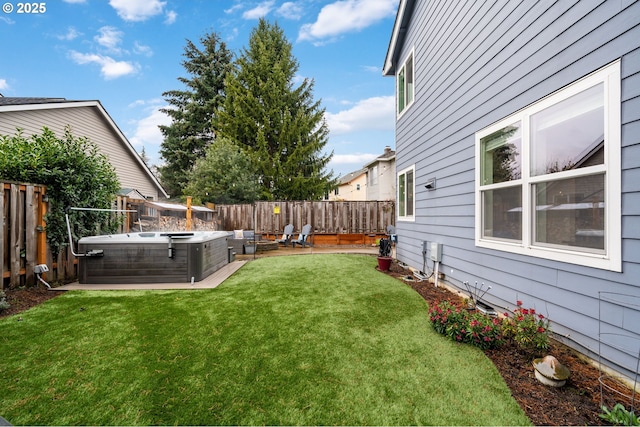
297 340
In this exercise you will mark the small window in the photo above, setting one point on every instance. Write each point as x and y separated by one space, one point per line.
358 187
406 194
405 84
548 177
373 175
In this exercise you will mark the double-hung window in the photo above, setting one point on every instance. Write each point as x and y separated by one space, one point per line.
548 176
406 194
405 84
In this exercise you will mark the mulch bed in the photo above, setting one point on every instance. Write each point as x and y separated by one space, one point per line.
576 403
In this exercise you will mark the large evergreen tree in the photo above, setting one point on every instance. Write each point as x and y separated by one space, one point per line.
278 124
192 110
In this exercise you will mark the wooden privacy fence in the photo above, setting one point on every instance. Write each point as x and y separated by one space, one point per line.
23 242
325 217
23 239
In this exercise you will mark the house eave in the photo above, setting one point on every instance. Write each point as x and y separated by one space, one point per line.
379 160
397 37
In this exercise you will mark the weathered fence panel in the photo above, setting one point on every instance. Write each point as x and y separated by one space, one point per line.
23 239
325 217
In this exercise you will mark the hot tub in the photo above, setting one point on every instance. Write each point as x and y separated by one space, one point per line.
153 257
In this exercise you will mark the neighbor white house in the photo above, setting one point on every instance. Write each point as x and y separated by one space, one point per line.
381 176
518 157
375 181
88 119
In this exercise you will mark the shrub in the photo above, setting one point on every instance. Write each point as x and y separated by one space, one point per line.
527 328
75 173
3 301
385 247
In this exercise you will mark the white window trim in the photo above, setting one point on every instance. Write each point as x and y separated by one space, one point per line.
612 257
403 67
408 218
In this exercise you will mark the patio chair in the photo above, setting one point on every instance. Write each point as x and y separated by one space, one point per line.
391 232
303 237
286 237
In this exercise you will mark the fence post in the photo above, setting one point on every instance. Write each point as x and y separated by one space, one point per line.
188 213
41 227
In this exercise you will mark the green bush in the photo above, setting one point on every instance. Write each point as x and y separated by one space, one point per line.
3 301
74 172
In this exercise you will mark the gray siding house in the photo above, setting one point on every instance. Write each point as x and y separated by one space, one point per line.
518 151
88 119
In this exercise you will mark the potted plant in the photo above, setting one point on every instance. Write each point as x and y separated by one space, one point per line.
384 255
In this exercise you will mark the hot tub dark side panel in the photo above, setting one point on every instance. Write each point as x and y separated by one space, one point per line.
207 257
127 263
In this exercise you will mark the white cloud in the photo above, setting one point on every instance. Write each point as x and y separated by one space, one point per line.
357 158
148 135
259 11
290 10
377 113
343 164
109 67
141 49
110 38
347 16
3 84
233 9
71 34
137 10
170 17
232 34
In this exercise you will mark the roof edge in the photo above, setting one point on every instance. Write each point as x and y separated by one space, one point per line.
397 36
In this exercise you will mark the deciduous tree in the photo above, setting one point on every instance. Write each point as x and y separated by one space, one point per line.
225 175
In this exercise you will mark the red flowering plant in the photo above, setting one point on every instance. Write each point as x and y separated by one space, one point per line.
527 328
447 319
457 324
484 331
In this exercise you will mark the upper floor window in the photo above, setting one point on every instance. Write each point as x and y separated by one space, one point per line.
406 193
405 84
548 177
373 175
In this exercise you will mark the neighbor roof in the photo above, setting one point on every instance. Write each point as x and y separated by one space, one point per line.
29 100
34 103
351 176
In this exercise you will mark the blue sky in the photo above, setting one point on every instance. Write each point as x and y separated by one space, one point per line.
126 53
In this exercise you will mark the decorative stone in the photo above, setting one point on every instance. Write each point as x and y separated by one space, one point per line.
550 372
